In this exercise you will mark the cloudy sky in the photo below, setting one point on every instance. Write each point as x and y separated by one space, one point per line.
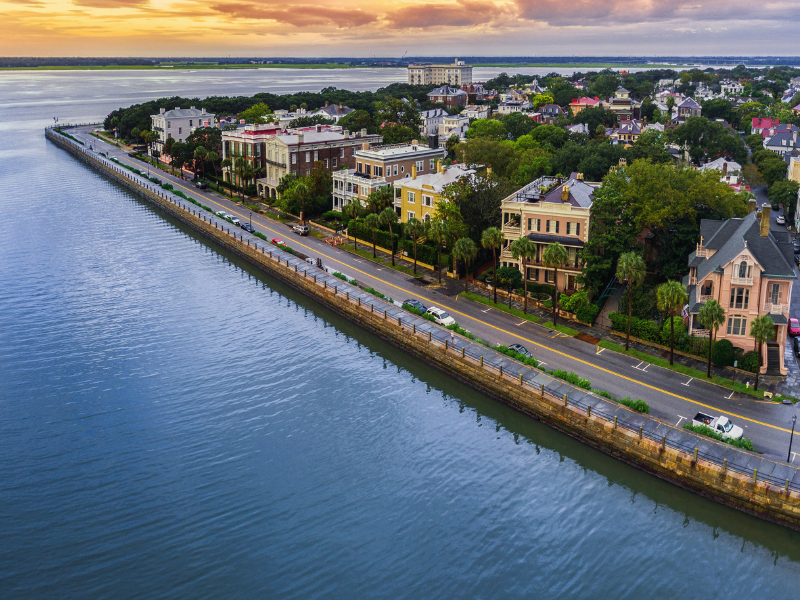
363 28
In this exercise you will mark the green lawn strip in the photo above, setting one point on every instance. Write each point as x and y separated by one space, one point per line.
562 328
379 260
689 371
498 306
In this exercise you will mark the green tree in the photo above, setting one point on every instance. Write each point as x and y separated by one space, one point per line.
762 330
167 147
711 316
213 158
555 256
150 138
380 198
310 121
784 191
358 120
437 230
258 113
388 216
400 112
395 133
416 229
630 268
465 250
671 297
372 222
350 211
200 156
523 249
541 100
492 238
510 278
491 129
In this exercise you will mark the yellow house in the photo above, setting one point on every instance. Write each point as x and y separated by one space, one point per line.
419 195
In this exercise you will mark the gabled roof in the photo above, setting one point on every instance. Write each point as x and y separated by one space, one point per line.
689 103
629 128
333 110
764 123
622 90
718 165
446 90
580 194
729 238
184 112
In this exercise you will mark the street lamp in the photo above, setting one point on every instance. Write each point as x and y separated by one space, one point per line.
791 438
251 219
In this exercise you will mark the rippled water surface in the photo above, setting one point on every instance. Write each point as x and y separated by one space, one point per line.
174 424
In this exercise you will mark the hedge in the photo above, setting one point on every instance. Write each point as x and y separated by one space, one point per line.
749 361
364 233
722 353
743 442
650 332
426 253
588 313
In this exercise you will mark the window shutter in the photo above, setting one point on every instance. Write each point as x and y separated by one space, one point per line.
547 226
538 224
577 228
556 226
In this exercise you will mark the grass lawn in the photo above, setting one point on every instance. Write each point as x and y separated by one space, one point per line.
498 306
562 328
721 381
382 262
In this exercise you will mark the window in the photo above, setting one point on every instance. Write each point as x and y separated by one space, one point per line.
534 224
549 276
739 297
420 165
706 289
398 193
326 162
294 158
432 164
180 130
359 167
308 156
533 274
334 161
572 256
427 200
744 270
737 325
552 226
395 169
410 215
169 124
353 151
190 122
775 293
378 171
341 152
573 228
368 169
308 172
411 197
316 155
402 169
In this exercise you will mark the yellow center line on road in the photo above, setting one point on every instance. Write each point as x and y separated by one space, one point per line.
500 329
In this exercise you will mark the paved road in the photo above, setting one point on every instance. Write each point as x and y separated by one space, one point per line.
671 396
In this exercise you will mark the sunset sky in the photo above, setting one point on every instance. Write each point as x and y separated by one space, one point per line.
379 27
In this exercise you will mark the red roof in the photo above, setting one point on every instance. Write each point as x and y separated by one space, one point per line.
585 101
764 123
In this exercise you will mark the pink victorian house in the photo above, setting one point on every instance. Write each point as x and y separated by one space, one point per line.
749 270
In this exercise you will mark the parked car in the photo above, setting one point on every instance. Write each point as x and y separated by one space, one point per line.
223 214
234 220
794 326
440 316
300 229
415 304
796 346
278 242
796 245
720 425
201 185
520 349
247 227
780 220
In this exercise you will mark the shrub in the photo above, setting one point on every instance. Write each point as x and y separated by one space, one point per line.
587 313
574 302
340 276
375 292
743 442
167 186
528 360
331 215
572 378
604 394
680 328
637 405
461 331
722 353
749 361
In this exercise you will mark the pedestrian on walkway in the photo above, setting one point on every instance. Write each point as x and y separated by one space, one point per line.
452 338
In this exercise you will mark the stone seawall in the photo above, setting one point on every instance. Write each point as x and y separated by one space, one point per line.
744 480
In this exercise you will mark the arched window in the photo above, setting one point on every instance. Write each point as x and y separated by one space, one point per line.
743 269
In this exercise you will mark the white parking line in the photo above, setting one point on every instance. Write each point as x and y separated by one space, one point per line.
681 419
793 456
487 310
688 382
521 323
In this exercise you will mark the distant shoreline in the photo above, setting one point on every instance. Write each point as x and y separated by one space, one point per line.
195 67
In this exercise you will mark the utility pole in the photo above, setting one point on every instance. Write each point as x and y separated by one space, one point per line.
791 438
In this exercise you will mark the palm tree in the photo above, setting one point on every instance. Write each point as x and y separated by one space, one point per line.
630 267
246 173
762 329
465 250
388 216
555 256
380 199
151 138
416 229
523 249
437 230
200 154
671 297
213 158
493 238
351 210
372 221
711 316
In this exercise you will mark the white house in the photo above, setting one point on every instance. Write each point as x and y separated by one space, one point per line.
178 124
731 88
431 119
477 111
457 125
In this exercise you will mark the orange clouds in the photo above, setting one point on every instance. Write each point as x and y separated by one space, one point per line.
298 16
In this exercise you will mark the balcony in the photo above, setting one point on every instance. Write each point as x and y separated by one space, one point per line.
705 297
275 163
741 281
776 309
506 253
511 229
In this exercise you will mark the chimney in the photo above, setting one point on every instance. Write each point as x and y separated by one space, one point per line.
724 167
346 134
163 110
764 227
318 127
191 107
326 104
299 138
488 172
623 162
341 107
415 142
413 171
439 167
751 206
579 176
363 133
177 108
565 193
365 146
203 110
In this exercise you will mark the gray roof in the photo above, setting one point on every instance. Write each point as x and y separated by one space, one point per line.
333 110
689 103
773 252
580 194
184 112
446 90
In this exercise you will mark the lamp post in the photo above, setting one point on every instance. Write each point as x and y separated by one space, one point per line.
251 219
791 438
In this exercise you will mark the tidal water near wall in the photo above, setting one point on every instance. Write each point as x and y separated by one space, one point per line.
174 423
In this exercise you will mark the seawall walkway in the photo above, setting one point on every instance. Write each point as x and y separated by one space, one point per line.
744 480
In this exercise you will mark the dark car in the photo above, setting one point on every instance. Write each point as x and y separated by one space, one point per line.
201 185
247 227
415 304
796 244
519 349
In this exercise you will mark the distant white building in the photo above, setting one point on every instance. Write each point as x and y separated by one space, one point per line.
431 119
457 125
334 112
178 124
477 111
731 88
